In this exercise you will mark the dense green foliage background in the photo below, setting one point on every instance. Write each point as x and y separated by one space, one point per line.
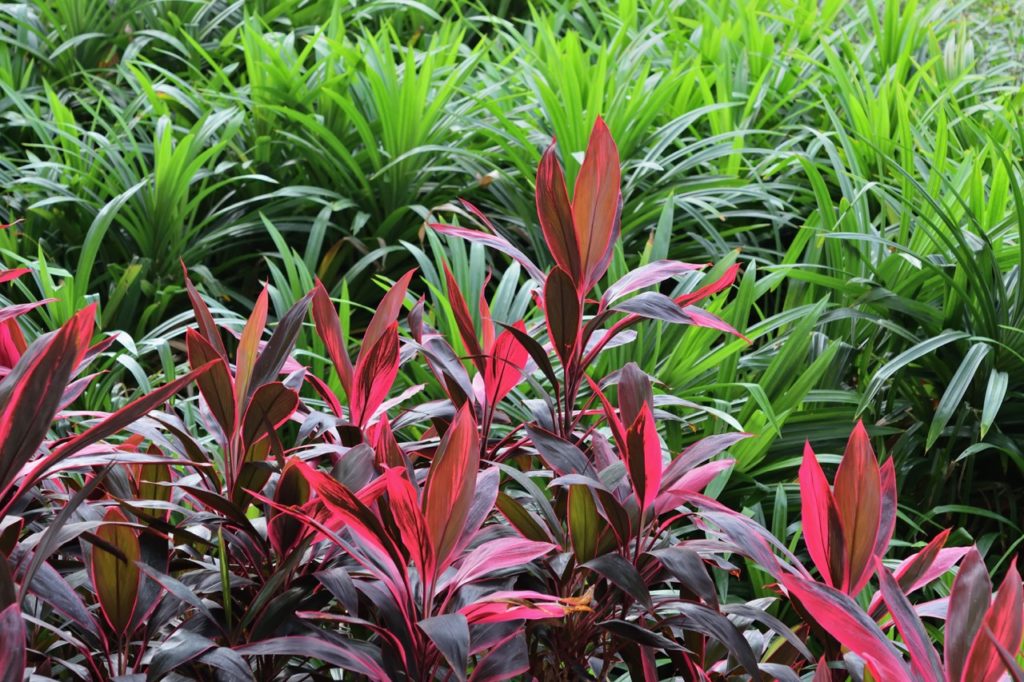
861 159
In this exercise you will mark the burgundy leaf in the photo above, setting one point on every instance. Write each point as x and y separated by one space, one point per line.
968 603
923 657
821 522
12 643
328 327
645 276
464 321
842 618
1002 625
116 579
496 555
643 457
31 394
505 364
375 373
563 311
597 203
448 492
555 214
495 242
277 350
450 634
216 385
249 343
270 406
858 496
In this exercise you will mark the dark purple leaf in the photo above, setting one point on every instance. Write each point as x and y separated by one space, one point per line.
450 634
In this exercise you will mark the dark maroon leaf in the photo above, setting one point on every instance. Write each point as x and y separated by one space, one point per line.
280 345
562 456
968 602
555 215
923 657
450 634
506 661
623 575
563 311
640 635
356 657
12 644
689 569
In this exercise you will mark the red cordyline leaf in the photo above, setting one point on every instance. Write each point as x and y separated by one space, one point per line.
271 406
496 555
597 204
248 345
375 373
501 607
328 327
12 643
923 658
858 495
505 363
647 275
32 392
12 274
464 321
494 241
116 579
292 489
842 618
216 386
563 311
918 570
405 510
820 518
448 491
555 215
848 528
387 312
643 457
204 320
1003 620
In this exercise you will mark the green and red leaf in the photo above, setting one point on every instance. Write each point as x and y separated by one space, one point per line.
116 578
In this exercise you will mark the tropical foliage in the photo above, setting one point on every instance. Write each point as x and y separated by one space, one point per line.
480 340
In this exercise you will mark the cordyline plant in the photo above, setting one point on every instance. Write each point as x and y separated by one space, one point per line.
266 528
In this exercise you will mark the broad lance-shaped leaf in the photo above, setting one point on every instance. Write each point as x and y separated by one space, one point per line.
277 350
858 495
597 204
12 643
216 385
643 457
248 344
328 328
1003 624
645 276
505 364
555 215
464 320
820 518
969 601
495 242
448 492
31 394
387 311
923 658
563 310
412 526
496 555
842 618
375 373
116 578
292 490
450 634
270 407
